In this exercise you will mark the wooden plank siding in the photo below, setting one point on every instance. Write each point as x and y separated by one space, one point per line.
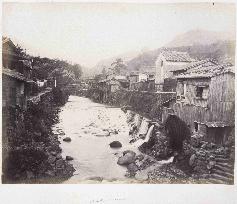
222 98
219 105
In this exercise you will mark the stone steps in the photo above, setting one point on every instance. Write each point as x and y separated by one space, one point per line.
223 160
215 181
223 173
223 168
222 179
227 165
220 156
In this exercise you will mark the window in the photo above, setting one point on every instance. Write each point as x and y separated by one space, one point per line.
185 89
202 92
199 91
182 90
20 66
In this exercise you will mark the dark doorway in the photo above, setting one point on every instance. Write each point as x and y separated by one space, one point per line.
219 134
195 126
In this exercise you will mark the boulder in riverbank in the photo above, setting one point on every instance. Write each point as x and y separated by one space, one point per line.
132 167
127 158
140 157
69 158
115 144
67 139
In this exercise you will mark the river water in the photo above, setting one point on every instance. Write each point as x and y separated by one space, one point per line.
92 127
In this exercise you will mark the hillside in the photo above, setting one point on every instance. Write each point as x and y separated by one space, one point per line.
220 50
200 44
200 37
107 62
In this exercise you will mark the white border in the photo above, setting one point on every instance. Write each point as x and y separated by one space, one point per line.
119 193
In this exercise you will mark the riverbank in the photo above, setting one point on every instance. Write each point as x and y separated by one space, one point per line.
32 153
198 162
148 104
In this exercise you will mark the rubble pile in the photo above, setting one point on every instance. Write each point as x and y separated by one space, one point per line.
168 173
157 147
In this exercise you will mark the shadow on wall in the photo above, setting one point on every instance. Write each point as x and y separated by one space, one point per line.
177 130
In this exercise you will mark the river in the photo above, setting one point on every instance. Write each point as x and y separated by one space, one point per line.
88 125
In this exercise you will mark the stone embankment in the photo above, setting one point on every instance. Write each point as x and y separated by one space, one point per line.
198 162
33 154
148 104
210 162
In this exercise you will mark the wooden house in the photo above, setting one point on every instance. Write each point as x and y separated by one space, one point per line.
142 81
133 77
16 73
205 100
166 63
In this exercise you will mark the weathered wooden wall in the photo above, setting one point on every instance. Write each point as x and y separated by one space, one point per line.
190 95
221 99
219 105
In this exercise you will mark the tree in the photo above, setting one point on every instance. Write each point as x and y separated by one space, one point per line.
118 66
64 72
77 70
104 72
20 51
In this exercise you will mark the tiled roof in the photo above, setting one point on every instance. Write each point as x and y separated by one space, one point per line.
218 124
5 39
175 56
206 69
198 64
8 40
14 74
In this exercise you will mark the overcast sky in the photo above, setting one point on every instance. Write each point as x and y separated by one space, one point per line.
88 33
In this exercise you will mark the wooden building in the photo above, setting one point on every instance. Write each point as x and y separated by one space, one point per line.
166 63
205 100
142 81
16 73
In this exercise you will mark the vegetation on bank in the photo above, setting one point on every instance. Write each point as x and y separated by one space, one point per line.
34 154
148 104
44 68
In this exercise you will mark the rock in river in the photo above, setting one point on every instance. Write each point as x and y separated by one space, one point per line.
132 167
140 157
127 158
115 144
67 139
68 158
130 152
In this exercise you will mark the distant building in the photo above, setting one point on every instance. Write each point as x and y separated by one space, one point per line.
16 73
166 63
142 77
205 99
143 81
133 77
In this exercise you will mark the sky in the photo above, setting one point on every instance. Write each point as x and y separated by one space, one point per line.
86 33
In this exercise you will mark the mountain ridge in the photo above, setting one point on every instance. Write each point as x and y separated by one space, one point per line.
200 44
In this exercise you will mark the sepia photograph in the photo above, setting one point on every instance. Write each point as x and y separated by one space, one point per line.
118 93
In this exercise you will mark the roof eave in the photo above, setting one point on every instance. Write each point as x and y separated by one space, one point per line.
192 77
